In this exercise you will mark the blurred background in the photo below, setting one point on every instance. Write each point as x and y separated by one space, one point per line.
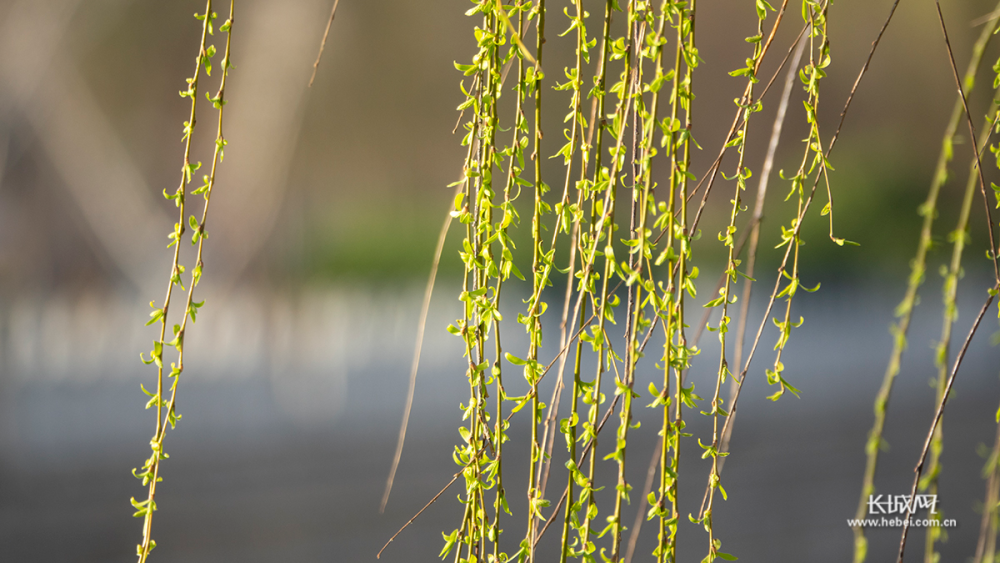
322 229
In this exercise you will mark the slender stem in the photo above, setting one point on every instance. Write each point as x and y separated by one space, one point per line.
322 46
949 291
986 545
937 417
418 347
972 135
538 283
905 309
151 470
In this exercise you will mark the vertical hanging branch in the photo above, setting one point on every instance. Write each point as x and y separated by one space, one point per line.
479 267
628 271
569 218
602 226
532 320
590 392
755 225
905 309
959 237
676 353
986 545
150 473
603 219
947 386
731 275
484 274
813 161
940 411
514 168
650 297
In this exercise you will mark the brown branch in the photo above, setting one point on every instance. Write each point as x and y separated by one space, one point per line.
986 544
937 415
422 324
322 45
426 506
972 135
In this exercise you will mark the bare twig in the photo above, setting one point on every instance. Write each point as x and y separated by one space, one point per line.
421 511
937 417
322 45
422 324
984 19
986 545
961 355
972 135
950 291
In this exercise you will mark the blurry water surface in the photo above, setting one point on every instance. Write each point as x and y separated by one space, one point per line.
291 405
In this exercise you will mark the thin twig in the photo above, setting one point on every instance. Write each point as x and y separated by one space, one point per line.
641 513
583 458
421 511
606 415
756 219
984 19
322 45
972 136
864 70
604 419
950 290
986 544
422 324
937 417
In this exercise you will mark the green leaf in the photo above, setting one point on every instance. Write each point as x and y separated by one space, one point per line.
515 360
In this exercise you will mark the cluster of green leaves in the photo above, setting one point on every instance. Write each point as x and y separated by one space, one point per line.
163 398
651 92
813 162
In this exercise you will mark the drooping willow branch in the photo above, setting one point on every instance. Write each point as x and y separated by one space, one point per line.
798 221
959 238
988 526
646 243
754 225
150 473
939 413
946 389
415 363
905 309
